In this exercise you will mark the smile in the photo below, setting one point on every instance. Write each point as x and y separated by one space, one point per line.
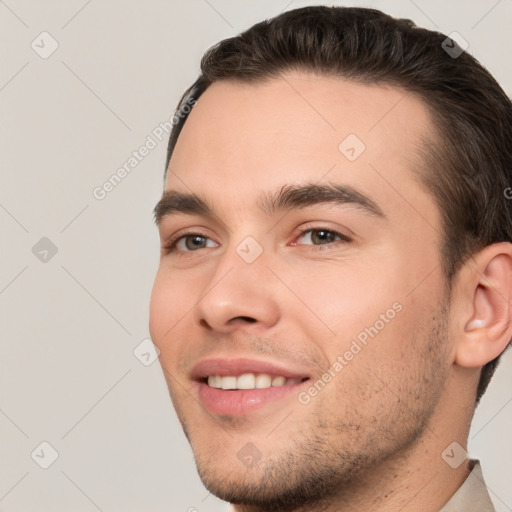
249 381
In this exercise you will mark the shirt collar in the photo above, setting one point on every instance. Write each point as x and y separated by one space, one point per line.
472 495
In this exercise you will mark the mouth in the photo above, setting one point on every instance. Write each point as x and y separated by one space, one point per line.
240 387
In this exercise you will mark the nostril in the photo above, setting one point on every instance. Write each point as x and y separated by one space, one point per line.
246 318
204 323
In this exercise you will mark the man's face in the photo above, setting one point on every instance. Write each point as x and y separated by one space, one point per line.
342 296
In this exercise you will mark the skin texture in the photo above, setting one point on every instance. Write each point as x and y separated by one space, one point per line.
372 439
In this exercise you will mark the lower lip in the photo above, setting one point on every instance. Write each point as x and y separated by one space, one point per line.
231 402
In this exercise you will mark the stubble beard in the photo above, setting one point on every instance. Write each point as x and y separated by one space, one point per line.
334 456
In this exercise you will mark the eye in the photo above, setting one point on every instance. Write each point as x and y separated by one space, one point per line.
192 242
322 236
189 242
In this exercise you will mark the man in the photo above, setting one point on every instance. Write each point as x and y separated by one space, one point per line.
334 287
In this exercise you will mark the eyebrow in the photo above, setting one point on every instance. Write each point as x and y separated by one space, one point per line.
288 198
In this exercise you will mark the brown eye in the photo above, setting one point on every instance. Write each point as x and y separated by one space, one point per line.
193 242
190 242
320 236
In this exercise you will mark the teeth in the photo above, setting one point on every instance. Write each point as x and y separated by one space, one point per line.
263 381
249 381
228 382
245 381
278 381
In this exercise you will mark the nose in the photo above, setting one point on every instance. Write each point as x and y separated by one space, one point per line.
238 294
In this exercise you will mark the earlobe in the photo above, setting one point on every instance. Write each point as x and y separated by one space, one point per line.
488 328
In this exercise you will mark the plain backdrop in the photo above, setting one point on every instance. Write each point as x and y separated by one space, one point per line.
76 271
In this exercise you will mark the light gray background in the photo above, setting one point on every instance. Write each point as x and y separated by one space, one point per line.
68 374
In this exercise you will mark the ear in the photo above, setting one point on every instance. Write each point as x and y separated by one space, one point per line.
485 288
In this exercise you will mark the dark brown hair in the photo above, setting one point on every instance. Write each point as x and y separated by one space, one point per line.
467 168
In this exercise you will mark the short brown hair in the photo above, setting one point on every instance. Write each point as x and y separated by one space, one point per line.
468 167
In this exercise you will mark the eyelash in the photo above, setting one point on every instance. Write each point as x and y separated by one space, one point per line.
171 245
321 247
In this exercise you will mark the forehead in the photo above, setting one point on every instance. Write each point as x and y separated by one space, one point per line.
256 137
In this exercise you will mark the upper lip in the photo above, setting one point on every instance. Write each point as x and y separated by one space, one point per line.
239 366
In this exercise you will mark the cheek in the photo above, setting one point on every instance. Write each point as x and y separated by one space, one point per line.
365 312
347 296
168 304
